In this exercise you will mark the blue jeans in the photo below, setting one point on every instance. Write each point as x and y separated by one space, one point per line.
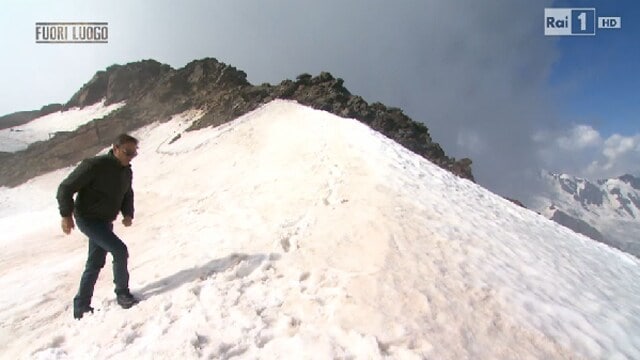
102 240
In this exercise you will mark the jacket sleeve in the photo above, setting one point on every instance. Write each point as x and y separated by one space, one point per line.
127 204
79 177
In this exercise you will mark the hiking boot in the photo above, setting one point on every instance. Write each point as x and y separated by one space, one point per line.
78 311
126 300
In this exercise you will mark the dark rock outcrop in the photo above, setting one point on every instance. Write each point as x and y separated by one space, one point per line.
568 185
631 180
154 92
622 200
118 83
517 202
590 195
577 225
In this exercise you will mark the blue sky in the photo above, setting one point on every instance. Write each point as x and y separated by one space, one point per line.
600 75
481 75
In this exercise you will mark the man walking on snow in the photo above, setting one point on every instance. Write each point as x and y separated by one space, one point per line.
103 185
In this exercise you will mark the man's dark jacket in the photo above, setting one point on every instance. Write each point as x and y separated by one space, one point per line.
104 188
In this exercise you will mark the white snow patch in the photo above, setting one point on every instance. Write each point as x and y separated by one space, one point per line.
18 138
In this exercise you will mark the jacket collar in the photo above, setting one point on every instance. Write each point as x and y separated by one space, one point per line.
113 157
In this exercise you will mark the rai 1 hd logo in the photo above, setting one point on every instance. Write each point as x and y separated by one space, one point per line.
576 22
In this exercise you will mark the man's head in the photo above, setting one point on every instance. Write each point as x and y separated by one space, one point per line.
125 148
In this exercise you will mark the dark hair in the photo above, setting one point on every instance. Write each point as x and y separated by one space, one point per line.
125 139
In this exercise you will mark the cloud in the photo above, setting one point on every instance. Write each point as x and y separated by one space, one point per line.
620 155
617 146
579 137
581 150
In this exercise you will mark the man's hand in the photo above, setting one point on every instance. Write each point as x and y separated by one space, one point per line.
67 225
127 221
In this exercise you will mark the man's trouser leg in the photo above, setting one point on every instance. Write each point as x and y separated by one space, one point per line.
103 240
95 262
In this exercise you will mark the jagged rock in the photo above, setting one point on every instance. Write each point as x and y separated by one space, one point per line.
92 92
118 83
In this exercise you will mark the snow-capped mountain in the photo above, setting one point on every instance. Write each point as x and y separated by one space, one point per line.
291 233
606 210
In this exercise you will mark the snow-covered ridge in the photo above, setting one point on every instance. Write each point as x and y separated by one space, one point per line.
20 137
292 233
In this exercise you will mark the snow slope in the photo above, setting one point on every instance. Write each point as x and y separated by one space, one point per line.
20 137
610 206
292 233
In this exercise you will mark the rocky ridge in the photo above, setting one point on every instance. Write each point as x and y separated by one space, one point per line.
155 91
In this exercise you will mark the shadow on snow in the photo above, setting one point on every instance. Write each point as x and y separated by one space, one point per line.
241 264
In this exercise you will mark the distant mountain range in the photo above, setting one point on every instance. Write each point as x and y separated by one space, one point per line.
605 210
